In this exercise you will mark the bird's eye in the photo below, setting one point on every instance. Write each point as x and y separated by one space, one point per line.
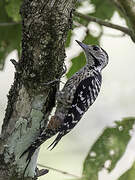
95 48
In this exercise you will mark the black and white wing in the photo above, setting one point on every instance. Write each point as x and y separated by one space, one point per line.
85 95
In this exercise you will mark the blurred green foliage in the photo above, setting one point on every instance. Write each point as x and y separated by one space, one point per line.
103 9
10 34
77 63
108 149
69 36
13 8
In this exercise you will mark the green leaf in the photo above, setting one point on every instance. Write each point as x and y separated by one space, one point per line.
69 36
79 61
79 3
129 174
103 9
13 8
90 39
109 147
10 36
80 20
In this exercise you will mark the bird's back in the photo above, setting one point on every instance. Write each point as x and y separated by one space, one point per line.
86 92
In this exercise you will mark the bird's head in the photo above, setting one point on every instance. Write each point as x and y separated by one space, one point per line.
95 55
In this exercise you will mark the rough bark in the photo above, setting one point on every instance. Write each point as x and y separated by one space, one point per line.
44 29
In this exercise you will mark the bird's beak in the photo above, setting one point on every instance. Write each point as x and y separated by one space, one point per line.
84 46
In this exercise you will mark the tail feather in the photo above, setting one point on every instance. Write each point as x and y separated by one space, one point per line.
31 152
24 152
26 168
55 142
31 149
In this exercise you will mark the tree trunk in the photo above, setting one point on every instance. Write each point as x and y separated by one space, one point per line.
44 30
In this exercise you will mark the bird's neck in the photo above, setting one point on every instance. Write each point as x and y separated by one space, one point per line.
98 68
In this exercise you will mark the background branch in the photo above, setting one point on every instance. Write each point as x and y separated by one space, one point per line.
57 170
9 23
107 24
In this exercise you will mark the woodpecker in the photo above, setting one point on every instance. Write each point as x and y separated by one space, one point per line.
77 95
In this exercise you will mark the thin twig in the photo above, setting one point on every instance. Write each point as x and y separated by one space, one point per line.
57 170
107 24
8 23
115 35
93 31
